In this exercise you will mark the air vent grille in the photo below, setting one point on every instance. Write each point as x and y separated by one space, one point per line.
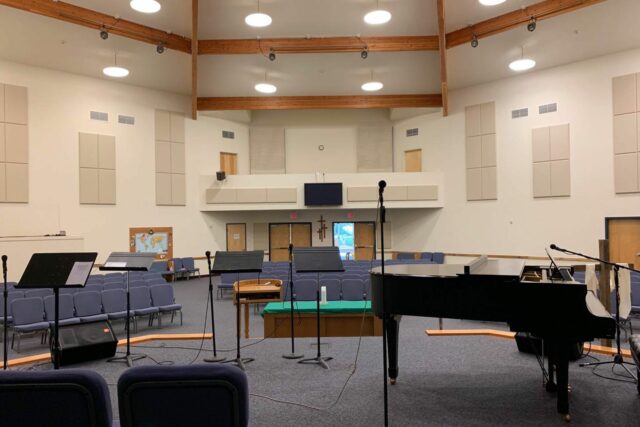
126 120
412 132
228 134
97 115
548 108
522 112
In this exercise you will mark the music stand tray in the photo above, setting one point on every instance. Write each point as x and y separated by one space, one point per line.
128 261
55 271
317 260
238 262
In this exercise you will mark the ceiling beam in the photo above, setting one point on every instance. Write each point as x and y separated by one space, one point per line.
319 102
97 20
318 45
442 38
539 11
194 59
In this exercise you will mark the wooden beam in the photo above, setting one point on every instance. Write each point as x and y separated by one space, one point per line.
319 102
194 59
318 45
97 20
442 38
539 11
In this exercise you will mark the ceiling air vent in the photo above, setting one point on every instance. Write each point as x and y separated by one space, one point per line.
97 115
228 134
523 112
548 108
126 120
412 132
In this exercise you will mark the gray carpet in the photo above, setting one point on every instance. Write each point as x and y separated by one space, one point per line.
443 380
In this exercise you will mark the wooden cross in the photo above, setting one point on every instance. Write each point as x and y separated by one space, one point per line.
322 229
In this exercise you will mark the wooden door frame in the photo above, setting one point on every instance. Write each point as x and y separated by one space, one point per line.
227 234
289 223
375 240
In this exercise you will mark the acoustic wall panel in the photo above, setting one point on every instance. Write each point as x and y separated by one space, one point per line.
374 149
626 136
282 195
251 195
541 147
481 152
14 144
560 178
559 142
97 169
422 192
170 159
542 179
362 194
220 195
551 173
267 150
395 193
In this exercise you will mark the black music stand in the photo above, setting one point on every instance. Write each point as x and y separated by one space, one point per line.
215 358
293 355
317 260
5 319
238 262
55 271
128 261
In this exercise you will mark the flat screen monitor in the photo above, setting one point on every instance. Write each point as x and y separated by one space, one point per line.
325 194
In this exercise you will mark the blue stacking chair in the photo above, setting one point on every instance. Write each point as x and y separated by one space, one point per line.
114 303
67 397
112 286
11 296
333 288
37 293
162 297
28 317
89 306
189 265
438 258
162 268
352 290
196 395
140 299
426 255
305 290
226 283
66 315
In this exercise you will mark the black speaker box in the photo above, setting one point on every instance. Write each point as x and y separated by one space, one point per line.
221 175
86 341
533 345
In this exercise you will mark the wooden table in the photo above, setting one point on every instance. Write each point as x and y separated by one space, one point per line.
257 291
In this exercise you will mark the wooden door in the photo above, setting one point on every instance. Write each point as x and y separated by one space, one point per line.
413 160
365 238
624 240
236 237
229 163
279 242
301 235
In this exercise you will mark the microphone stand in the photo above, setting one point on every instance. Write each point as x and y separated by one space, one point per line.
617 358
383 212
293 354
215 357
6 319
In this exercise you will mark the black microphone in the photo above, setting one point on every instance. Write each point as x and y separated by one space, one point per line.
290 251
208 254
554 247
4 264
381 185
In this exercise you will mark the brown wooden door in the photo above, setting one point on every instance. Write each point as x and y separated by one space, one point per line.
301 235
279 242
229 163
413 160
364 241
624 240
236 237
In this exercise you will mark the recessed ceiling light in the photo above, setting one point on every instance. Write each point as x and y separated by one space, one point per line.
522 64
115 71
258 20
372 86
265 88
145 6
491 2
377 17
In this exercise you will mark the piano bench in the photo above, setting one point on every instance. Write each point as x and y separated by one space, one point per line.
634 343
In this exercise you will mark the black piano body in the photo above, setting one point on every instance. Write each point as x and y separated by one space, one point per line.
558 311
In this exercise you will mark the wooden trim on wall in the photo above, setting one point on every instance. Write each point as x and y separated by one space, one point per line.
318 102
442 39
194 59
101 21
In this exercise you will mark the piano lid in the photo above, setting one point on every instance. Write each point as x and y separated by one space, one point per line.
504 268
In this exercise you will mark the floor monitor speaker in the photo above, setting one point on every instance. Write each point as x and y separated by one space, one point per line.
86 341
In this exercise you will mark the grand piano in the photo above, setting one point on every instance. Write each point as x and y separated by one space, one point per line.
558 309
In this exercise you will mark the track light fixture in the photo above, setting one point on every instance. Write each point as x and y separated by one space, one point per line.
272 56
364 54
474 41
104 34
160 48
531 26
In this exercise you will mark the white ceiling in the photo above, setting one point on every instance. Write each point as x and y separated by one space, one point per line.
596 30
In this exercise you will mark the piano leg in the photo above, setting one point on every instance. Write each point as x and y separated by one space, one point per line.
393 327
562 366
551 383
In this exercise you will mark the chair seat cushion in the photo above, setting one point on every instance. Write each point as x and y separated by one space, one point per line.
63 322
225 286
145 311
94 318
170 307
32 327
118 315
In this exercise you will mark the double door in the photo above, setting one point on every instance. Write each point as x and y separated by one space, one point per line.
282 234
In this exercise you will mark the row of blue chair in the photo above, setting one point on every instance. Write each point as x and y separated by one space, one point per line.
337 290
36 314
181 268
158 396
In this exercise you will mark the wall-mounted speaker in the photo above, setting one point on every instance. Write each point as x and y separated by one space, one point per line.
221 175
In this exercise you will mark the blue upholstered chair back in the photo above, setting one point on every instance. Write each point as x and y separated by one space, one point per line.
114 301
27 311
305 290
140 298
197 395
162 295
68 397
65 307
88 303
